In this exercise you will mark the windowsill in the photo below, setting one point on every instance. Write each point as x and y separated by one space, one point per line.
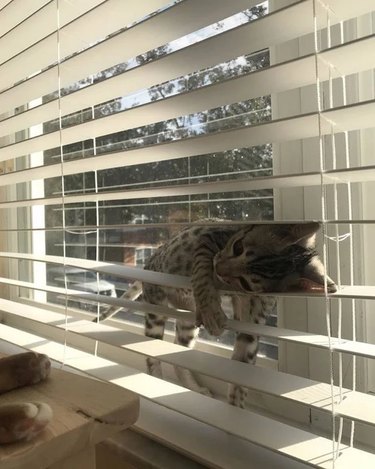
191 441
131 450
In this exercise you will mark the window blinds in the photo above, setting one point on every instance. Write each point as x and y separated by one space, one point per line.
119 125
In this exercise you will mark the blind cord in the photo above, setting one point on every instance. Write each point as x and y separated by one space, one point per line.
324 225
59 81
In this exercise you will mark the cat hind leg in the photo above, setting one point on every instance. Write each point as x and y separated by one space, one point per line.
154 328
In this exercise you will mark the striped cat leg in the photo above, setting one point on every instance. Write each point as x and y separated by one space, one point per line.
133 292
262 307
245 347
253 309
186 334
154 328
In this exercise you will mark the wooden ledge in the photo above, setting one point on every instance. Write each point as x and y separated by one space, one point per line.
86 412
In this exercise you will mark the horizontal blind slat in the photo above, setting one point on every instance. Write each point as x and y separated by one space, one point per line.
292 74
4 3
361 349
197 56
26 33
80 229
224 186
77 35
180 19
176 281
298 17
307 338
301 390
17 11
206 55
250 426
340 119
43 23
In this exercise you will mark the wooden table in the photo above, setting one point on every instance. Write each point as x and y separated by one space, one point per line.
86 412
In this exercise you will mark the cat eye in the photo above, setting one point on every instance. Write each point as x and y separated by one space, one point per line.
238 247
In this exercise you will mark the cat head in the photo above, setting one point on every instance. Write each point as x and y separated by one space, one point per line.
273 258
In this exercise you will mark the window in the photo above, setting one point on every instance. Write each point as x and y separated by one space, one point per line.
116 134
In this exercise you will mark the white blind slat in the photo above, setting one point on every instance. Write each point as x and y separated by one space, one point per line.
27 33
260 430
242 40
360 349
4 3
78 34
291 74
353 117
43 23
182 18
227 186
177 281
301 390
16 11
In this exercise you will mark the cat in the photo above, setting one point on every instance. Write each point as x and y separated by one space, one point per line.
251 259
23 420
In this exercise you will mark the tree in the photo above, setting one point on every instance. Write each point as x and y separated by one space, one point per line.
237 163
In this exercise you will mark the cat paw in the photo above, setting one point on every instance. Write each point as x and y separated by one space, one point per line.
237 396
214 320
23 421
23 369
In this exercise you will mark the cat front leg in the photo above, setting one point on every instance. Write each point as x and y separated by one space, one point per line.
186 333
252 309
245 350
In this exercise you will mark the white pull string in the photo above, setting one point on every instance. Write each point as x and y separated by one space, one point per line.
350 217
338 238
324 226
351 247
58 46
97 246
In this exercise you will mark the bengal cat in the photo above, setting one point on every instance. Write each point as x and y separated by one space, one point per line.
258 258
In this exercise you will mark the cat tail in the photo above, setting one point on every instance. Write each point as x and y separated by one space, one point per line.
133 292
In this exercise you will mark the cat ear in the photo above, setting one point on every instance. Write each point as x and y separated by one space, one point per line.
294 233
